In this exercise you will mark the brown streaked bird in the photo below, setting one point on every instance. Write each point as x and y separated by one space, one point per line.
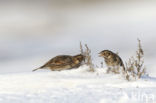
63 62
112 60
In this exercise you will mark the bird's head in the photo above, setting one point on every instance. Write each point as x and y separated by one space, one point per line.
79 57
105 53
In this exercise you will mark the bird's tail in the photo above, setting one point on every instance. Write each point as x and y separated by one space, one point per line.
39 68
35 69
123 66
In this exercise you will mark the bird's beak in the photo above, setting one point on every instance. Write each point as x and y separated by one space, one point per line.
100 55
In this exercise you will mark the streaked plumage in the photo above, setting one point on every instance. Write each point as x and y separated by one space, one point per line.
112 60
63 62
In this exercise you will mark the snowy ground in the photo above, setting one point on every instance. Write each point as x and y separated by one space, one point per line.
75 86
33 32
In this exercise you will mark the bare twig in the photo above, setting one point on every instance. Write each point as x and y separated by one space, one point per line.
81 48
135 66
88 58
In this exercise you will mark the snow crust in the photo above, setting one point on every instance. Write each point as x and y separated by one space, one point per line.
75 86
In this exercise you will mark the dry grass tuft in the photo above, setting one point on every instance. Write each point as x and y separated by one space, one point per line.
135 68
88 58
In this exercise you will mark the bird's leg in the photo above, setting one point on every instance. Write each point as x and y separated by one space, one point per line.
117 69
108 70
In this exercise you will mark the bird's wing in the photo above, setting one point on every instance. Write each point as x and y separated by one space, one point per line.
60 60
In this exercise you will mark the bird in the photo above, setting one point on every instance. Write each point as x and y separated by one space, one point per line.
63 62
112 60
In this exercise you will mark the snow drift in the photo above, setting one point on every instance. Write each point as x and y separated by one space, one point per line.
75 86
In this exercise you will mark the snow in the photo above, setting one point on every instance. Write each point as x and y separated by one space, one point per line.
31 33
75 86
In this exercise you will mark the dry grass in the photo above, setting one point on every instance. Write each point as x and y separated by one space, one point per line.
135 66
88 58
